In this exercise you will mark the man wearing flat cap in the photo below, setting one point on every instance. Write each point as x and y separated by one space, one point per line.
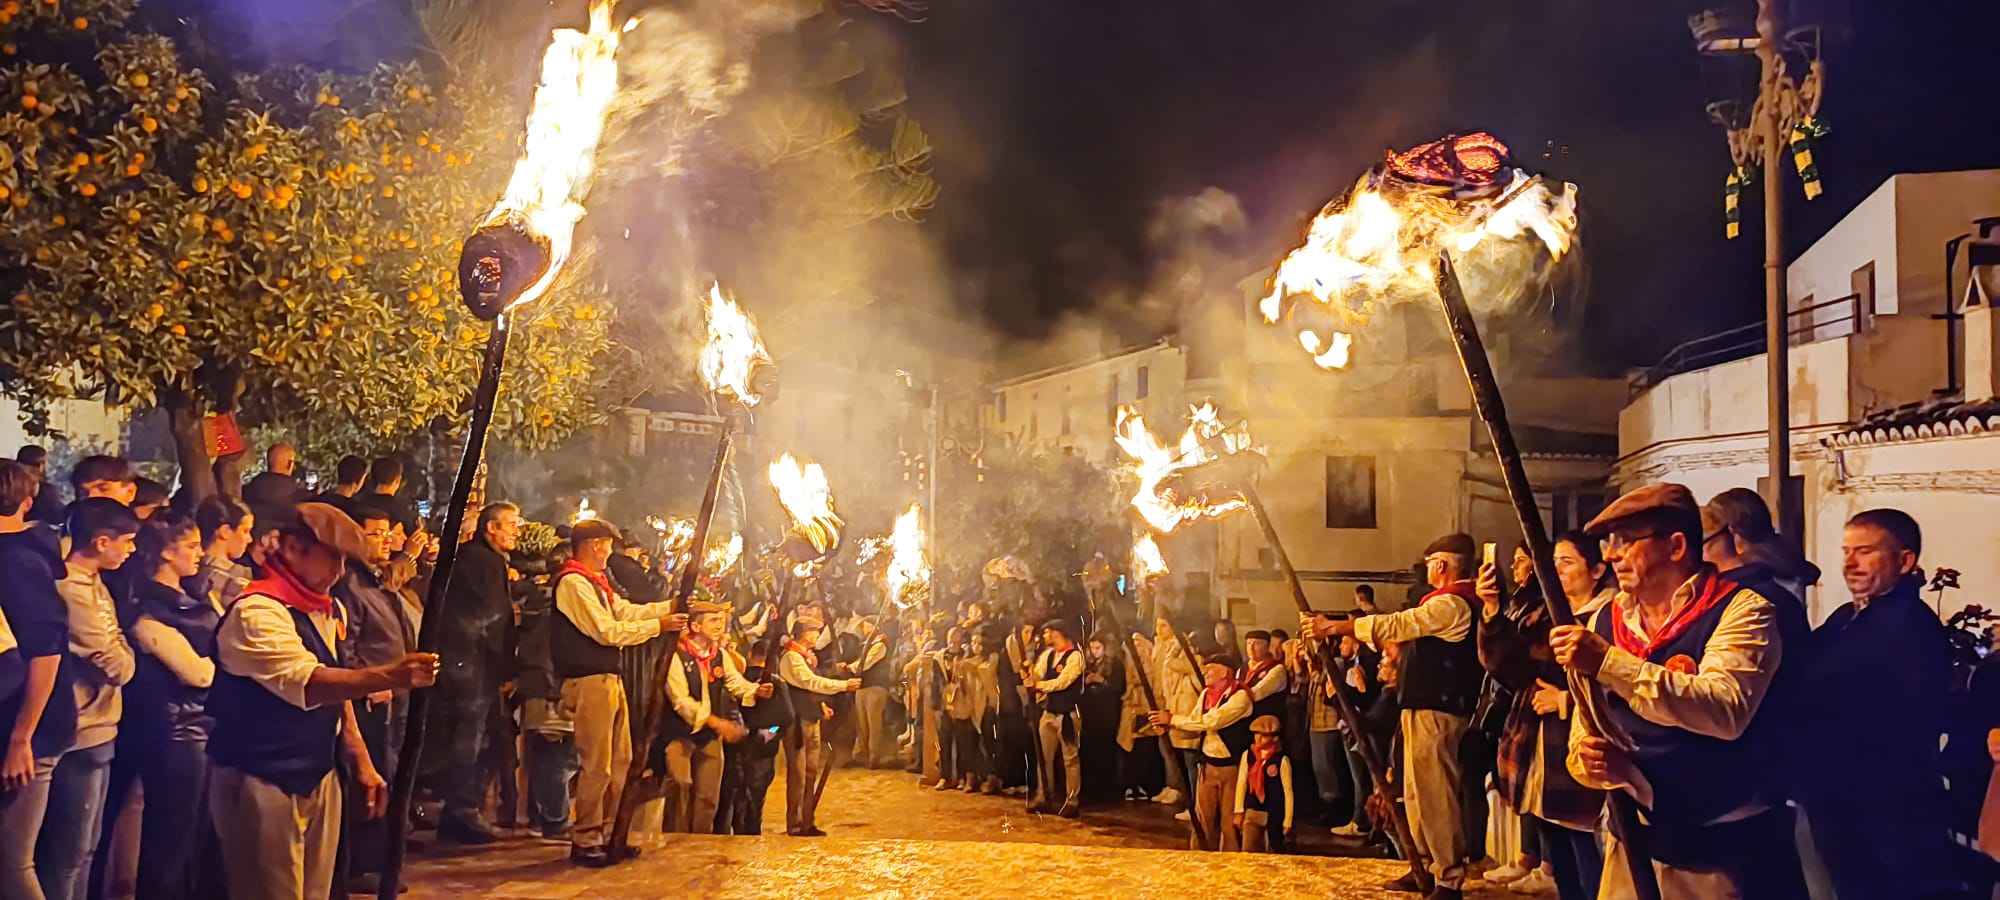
1438 689
1687 658
282 708
584 641
811 693
704 688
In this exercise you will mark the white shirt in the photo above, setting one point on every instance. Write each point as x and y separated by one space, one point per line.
1718 700
607 618
1230 711
696 710
793 669
1283 779
1270 683
1438 617
259 641
1072 669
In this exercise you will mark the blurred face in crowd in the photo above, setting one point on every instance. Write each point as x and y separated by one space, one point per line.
505 532
232 541
1054 638
1365 602
1647 559
282 460
1278 646
1524 567
1216 674
1871 562
1096 649
1438 570
315 564
145 511
1257 648
376 532
122 491
1349 646
808 637
594 553
398 538
712 625
182 558
1579 578
1163 630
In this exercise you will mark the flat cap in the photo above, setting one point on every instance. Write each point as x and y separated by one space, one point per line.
590 530
1459 543
704 607
334 528
1264 725
1665 497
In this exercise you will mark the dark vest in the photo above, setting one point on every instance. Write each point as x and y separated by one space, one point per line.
722 704
1274 705
1439 674
1695 778
158 705
805 703
1274 790
882 674
1237 737
260 733
574 654
1063 701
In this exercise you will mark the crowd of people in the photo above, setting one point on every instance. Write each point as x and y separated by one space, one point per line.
208 699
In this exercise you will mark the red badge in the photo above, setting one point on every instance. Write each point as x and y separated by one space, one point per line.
1681 663
1271 771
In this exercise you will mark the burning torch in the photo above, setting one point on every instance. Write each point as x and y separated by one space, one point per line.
510 260
737 370
1425 224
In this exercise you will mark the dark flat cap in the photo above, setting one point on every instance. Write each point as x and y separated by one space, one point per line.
704 607
1665 497
334 528
1264 725
1460 544
590 530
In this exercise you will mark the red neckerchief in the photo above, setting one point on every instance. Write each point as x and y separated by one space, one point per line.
1710 589
1461 588
704 659
602 581
1257 672
805 652
1259 757
281 585
1215 695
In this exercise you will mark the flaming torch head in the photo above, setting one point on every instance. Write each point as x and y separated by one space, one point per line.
1374 246
720 558
808 500
1147 560
733 361
1162 499
909 576
516 253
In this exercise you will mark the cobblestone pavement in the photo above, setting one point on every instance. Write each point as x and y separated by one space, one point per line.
890 838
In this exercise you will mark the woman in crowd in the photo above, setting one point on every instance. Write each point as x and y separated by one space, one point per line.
1558 816
166 717
227 529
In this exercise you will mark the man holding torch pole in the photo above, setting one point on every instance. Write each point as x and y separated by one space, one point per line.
1439 688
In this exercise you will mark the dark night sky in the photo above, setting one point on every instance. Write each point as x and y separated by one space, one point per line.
1059 124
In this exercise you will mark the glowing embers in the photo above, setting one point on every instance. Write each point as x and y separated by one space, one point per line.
1163 498
733 353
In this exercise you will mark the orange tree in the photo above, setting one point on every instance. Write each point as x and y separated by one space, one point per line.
286 246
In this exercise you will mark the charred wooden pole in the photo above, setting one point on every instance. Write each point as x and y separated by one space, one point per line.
1345 701
657 702
1137 667
1492 410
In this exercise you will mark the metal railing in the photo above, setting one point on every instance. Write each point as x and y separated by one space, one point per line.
1747 340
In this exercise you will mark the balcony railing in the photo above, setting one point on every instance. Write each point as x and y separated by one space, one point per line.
1805 327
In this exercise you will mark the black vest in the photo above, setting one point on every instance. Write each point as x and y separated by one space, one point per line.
1060 702
158 706
721 703
1695 778
1274 790
1237 736
1442 675
882 674
262 734
1274 705
805 703
574 654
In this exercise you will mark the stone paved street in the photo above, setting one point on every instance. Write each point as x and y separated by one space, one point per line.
889 838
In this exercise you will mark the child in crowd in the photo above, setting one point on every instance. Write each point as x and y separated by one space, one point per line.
1264 790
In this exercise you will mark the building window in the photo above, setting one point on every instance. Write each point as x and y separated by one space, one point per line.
1145 382
1863 282
1350 492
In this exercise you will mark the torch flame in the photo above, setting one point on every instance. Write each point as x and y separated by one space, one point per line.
1153 462
1374 246
909 575
733 350
722 557
1147 560
583 512
804 493
579 81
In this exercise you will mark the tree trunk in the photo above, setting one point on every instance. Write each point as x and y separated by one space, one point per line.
225 385
184 415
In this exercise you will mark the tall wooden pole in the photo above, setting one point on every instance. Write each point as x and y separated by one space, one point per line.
1343 694
1777 318
1492 410
1137 666
404 788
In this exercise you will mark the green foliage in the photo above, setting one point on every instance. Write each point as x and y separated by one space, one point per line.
294 238
1049 509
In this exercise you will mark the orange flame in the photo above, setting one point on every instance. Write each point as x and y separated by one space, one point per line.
579 81
909 577
804 493
1164 508
1147 560
1374 246
720 558
733 350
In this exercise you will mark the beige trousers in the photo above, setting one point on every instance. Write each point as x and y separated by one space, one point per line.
1430 791
1256 831
274 846
694 786
1060 750
871 747
1675 884
604 754
1215 806
802 762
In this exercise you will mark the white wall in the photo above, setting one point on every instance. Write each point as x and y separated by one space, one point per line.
83 422
1035 405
